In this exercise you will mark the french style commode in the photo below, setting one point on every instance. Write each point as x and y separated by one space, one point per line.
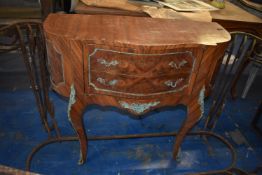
133 63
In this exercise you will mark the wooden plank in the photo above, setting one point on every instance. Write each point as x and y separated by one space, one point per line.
230 13
81 8
234 13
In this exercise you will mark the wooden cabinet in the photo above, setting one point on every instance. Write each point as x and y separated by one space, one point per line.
133 63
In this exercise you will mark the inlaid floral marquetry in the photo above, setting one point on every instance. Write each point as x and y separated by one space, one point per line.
107 83
107 63
178 65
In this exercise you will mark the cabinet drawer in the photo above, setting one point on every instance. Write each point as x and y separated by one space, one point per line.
101 82
136 64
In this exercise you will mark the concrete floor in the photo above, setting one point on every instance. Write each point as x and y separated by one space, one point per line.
21 130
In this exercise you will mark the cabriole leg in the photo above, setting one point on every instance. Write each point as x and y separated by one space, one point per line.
75 115
195 111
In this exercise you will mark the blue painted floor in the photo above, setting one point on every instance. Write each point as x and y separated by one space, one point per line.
21 130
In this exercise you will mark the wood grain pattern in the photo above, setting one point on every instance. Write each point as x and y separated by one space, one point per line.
138 86
142 65
113 61
82 8
127 32
119 4
55 64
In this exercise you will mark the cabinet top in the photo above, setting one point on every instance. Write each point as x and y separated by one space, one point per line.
134 31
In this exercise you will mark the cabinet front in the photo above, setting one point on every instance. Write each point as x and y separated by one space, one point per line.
118 72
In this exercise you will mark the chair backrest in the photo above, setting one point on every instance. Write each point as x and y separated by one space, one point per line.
231 65
28 38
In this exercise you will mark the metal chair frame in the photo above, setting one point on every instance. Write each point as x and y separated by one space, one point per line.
28 38
230 69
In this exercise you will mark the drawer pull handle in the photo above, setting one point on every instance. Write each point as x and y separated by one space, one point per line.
138 108
179 65
109 83
173 84
106 63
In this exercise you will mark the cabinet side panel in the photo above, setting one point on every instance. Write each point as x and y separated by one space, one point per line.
59 54
55 63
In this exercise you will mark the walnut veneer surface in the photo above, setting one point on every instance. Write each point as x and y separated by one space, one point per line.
133 63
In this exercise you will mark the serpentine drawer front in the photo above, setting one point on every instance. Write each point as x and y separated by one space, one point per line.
126 73
137 85
117 62
133 63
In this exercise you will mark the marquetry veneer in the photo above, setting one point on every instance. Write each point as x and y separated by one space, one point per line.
133 63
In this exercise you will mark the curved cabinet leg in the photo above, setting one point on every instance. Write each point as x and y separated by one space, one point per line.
190 121
75 115
195 111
